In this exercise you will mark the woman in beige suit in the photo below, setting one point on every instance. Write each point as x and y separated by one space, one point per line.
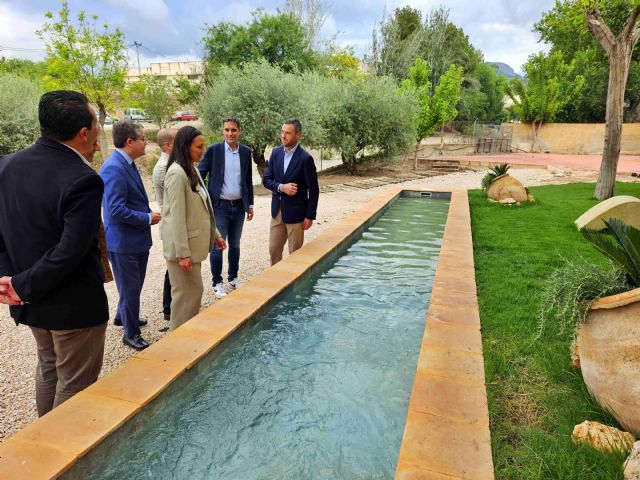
188 227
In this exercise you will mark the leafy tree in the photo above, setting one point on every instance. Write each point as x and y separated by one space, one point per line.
156 95
34 71
434 110
395 43
366 114
548 89
311 14
278 39
341 62
400 39
619 50
481 97
19 126
262 96
565 29
83 57
186 91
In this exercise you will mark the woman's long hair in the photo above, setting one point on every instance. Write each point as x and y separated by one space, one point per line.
180 153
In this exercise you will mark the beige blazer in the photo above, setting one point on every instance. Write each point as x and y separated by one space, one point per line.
188 227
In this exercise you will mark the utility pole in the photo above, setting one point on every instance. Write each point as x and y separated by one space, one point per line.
138 45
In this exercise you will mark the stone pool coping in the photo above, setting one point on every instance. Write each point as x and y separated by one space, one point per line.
447 430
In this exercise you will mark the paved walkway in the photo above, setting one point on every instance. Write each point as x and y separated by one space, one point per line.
626 165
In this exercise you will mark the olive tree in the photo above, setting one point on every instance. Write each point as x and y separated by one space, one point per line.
18 113
368 113
262 96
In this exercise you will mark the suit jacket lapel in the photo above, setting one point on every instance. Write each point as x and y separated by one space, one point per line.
221 161
136 178
280 165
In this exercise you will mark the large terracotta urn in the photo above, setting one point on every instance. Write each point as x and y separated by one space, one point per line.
609 346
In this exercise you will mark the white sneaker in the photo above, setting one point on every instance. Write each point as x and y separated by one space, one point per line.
218 290
235 283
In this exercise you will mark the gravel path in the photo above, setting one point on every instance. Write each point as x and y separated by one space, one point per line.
18 359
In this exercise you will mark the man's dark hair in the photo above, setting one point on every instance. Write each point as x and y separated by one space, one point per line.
235 120
295 122
125 130
63 113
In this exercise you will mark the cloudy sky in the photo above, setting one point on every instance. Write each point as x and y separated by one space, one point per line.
172 29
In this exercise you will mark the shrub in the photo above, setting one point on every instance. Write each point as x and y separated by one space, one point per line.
570 290
494 172
19 126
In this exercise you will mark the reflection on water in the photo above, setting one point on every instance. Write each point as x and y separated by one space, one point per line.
318 389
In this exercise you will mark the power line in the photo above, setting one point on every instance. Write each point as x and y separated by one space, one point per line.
22 49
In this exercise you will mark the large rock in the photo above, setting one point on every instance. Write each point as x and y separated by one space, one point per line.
602 437
506 186
624 207
632 464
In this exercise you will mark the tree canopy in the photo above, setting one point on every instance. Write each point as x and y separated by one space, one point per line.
262 96
279 39
565 29
86 57
550 85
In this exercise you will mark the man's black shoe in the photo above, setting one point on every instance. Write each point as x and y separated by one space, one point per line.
167 316
136 342
118 323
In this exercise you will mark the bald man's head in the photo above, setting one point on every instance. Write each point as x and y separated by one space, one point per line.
165 139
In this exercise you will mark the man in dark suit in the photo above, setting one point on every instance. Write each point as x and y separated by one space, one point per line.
50 263
291 176
127 223
228 166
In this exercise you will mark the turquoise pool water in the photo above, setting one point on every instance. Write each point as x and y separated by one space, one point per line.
319 388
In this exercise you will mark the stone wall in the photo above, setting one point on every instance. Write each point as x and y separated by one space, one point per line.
573 138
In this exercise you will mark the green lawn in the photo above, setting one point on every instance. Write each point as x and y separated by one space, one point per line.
535 396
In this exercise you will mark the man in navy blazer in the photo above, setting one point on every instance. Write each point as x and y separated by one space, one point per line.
228 166
127 224
291 176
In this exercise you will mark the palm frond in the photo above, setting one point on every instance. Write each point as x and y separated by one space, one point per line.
621 243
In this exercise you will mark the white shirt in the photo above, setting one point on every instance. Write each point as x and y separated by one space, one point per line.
288 155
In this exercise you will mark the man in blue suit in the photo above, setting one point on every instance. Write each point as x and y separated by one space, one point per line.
228 166
127 223
291 176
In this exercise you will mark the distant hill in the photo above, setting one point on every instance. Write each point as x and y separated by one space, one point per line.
504 69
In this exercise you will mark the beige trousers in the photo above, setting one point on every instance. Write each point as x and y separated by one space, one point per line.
281 233
186 293
68 362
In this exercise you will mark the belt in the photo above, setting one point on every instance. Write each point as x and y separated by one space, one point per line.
231 202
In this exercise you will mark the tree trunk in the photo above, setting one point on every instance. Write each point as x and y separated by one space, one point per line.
415 156
257 154
618 73
102 138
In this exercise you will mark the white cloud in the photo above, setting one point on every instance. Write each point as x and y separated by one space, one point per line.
498 27
143 12
17 35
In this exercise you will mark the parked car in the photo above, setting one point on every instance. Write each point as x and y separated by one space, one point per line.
136 115
184 115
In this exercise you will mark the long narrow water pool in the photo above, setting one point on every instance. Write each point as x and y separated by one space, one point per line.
319 387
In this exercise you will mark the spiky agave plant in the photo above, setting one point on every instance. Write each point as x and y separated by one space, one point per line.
621 243
494 172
